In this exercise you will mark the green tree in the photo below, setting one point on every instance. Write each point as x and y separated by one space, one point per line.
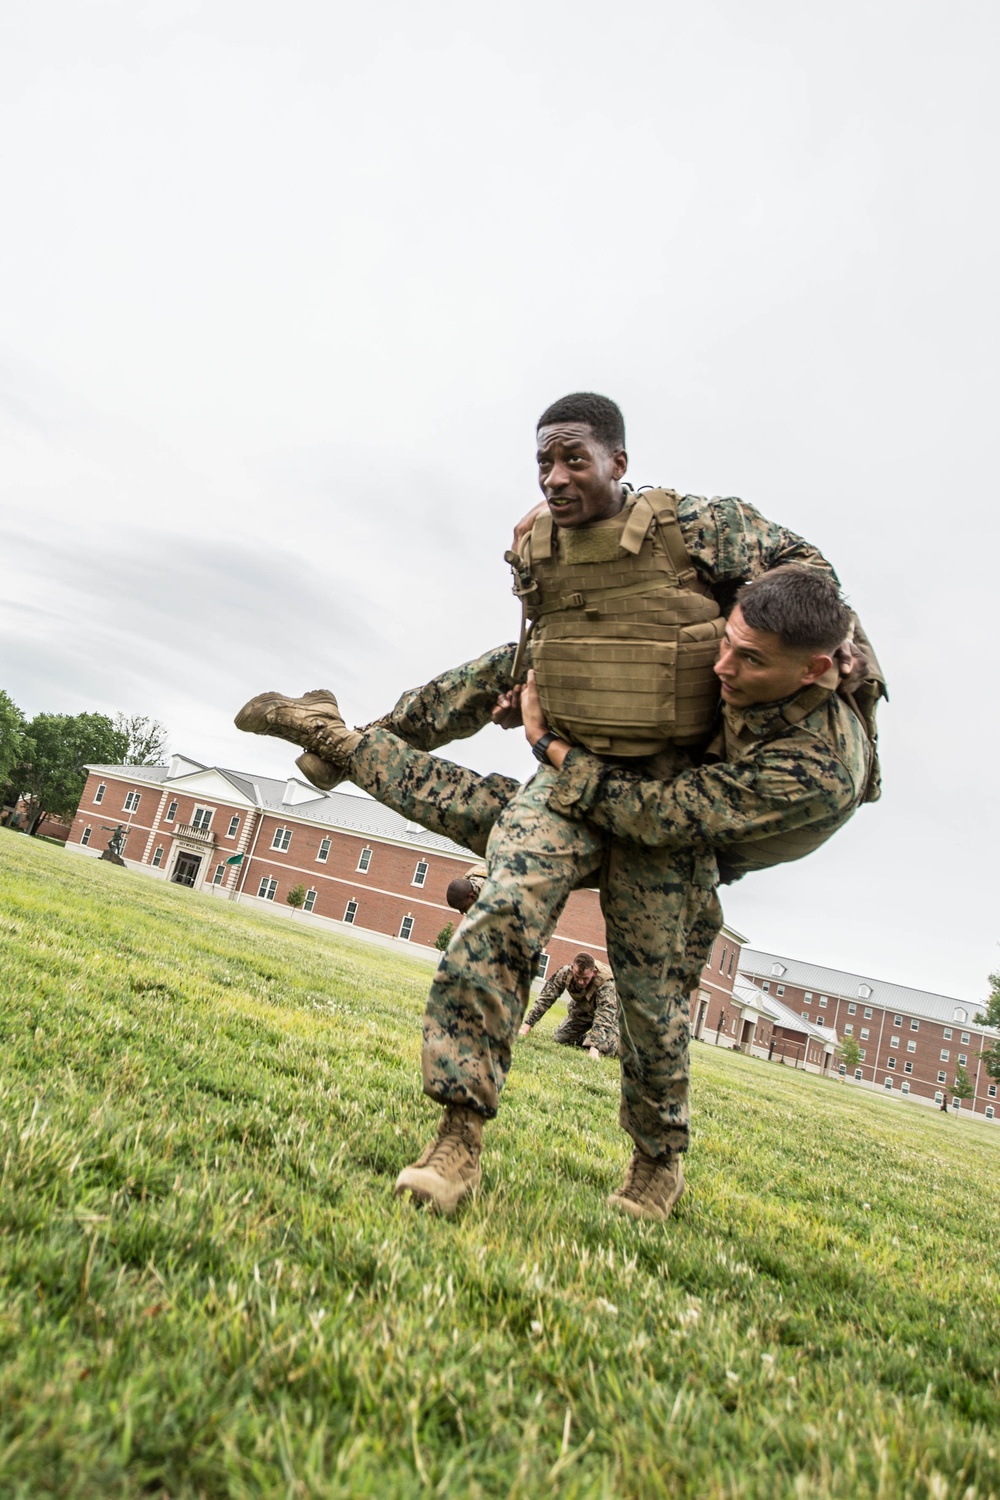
444 936
962 1087
141 741
991 1056
56 749
12 728
849 1053
296 896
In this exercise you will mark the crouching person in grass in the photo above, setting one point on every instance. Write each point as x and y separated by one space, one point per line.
592 1011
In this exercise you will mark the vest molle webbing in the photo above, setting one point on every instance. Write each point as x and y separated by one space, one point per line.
624 634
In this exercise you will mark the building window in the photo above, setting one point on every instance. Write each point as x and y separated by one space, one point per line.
99 794
894 1041
420 873
849 1029
864 1033
911 1046
852 1009
888 1083
938 1096
281 840
822 1002
268 887
914 1025
808 995
405 928
85 836
947 1033
766 986
965 1038
158 856
820 1021
945 1054
543 966
891 1063
963 1058
350 911
310 900
842 1068
908 1067
202 819
171 812
220 875
942 1077
989 1111
897 1020
132 801
805 1015
858 1075
323 853
234 826
904 1087
722 960
991 1092
731 957
780 990
364 860
862 1053
868 1012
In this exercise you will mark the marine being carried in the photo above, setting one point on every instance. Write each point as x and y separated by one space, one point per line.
626 594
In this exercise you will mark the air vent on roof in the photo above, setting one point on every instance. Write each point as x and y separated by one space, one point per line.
960 1014
778 969
865 991
412 827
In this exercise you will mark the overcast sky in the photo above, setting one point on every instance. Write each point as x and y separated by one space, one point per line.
288 286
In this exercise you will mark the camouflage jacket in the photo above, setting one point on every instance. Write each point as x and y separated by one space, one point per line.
597 1005
778 780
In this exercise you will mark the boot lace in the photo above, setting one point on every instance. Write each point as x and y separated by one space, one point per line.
642 1170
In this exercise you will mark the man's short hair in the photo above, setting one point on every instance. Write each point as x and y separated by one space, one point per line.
600 413
800 605
584 961
458 893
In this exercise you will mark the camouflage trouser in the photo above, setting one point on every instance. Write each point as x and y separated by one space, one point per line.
661 910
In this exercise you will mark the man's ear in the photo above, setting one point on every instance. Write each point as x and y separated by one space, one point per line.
816 667
620 460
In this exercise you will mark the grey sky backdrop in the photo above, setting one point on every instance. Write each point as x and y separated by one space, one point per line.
286 288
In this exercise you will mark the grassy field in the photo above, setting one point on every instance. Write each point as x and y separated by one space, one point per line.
207 1289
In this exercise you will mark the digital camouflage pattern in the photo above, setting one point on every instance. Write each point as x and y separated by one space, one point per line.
662 915
659 902
591 1018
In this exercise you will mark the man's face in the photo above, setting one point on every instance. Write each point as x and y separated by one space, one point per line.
580 976
578 476
754 666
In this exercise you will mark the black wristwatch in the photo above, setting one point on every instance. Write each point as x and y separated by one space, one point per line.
540 749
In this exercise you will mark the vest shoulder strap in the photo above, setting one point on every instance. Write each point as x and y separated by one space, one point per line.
540 537
663 504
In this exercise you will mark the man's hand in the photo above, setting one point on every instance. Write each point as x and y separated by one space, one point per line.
525 1029
525 524
507 712
532 716
853 666
593 1052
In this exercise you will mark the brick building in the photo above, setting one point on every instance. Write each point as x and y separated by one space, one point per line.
362 865
910 1040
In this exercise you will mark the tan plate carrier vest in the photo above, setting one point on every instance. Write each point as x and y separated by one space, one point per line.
624 634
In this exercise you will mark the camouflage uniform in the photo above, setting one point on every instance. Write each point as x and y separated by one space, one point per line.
659 902
591 1018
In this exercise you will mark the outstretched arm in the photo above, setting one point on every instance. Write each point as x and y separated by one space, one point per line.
551 990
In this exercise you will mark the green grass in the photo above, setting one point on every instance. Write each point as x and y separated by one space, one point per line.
207 1289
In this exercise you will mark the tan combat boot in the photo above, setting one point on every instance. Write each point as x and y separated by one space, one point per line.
313 721
652 1186
448 1170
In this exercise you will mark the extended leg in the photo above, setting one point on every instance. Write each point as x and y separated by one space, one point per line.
453 706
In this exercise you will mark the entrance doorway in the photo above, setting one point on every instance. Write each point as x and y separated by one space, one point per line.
186 869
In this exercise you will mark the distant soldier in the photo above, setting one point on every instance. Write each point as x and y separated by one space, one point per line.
592 1012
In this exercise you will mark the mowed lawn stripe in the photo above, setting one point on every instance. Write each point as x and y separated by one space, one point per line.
207 1289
